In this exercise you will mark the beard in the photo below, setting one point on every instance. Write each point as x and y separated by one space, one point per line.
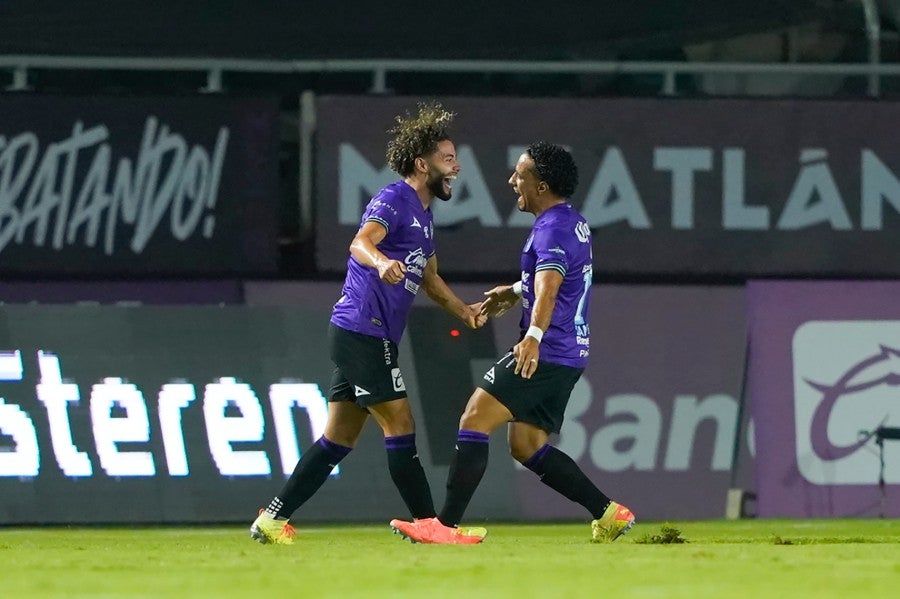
435 185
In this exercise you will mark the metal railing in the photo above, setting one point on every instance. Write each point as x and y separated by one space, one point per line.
379 69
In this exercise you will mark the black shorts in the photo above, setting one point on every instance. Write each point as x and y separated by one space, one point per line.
365 368
540 400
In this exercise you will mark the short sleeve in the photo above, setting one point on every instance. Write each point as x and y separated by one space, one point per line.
382 209
550 251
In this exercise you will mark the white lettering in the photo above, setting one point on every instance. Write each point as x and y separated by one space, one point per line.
109 430
169 176
735 213
688 413
683 163
223 430
641 434
878 183
25 459
815 179
56 396
358 181
173 398
471 199
286 396
613 196
633 440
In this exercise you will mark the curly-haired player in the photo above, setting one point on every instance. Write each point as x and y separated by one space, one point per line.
391 257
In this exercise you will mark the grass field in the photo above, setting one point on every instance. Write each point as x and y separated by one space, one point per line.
722 559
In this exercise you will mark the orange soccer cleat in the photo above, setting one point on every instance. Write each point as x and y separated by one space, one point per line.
432 530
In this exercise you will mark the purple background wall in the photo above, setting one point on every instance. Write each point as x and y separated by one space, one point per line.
671 188
822 375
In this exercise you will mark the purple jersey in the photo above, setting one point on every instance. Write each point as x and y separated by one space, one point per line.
368 305
560 240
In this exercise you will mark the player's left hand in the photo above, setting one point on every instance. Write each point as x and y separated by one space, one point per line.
527 353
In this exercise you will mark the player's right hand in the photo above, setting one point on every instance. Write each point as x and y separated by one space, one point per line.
391 271
474 317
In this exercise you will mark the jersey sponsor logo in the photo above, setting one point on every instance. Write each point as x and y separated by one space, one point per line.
416 223
397 380
489 375
359 391
415 262
380 204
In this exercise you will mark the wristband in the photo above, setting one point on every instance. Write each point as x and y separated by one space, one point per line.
535 332
517 288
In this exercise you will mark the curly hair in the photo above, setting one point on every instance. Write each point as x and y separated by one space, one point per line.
416 136
554 165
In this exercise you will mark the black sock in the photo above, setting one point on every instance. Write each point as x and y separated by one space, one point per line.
466 469
560 472
408 475
309 474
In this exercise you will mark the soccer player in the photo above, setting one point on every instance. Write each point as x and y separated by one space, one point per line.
391 257
530 386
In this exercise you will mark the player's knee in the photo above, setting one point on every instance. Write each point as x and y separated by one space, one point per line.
519 452
523 447
399 424
472 419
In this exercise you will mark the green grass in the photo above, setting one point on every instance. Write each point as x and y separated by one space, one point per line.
722 559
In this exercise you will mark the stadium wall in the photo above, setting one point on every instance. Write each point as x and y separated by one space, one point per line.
198 412
711 189
188 398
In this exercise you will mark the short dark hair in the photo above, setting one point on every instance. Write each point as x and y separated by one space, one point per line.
554 165
416 136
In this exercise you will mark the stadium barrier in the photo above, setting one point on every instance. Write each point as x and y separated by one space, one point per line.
198 413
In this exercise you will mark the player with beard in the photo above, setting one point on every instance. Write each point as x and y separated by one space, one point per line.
391 257
529 387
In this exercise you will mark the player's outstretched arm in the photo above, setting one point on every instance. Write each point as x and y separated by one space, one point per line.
443 296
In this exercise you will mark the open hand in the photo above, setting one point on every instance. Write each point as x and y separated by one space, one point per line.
499 301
